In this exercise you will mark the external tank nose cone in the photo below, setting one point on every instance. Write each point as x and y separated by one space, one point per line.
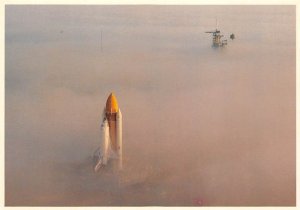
112 104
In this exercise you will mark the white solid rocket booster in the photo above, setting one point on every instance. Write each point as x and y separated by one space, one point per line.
111 135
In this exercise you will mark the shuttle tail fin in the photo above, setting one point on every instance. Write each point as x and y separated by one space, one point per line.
102 154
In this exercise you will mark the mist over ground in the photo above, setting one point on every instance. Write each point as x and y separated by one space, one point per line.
201 126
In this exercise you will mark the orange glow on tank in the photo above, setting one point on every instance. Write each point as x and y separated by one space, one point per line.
112 104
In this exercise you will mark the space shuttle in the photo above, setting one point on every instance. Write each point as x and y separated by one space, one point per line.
110 136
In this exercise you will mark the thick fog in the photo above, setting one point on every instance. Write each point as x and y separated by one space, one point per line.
201 126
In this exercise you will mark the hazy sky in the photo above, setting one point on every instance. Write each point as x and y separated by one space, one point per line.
200 124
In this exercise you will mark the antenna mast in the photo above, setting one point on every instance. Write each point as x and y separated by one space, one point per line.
101 41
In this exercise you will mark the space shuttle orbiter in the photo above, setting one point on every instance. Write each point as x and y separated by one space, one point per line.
111 135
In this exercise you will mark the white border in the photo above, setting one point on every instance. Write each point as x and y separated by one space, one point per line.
140 2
